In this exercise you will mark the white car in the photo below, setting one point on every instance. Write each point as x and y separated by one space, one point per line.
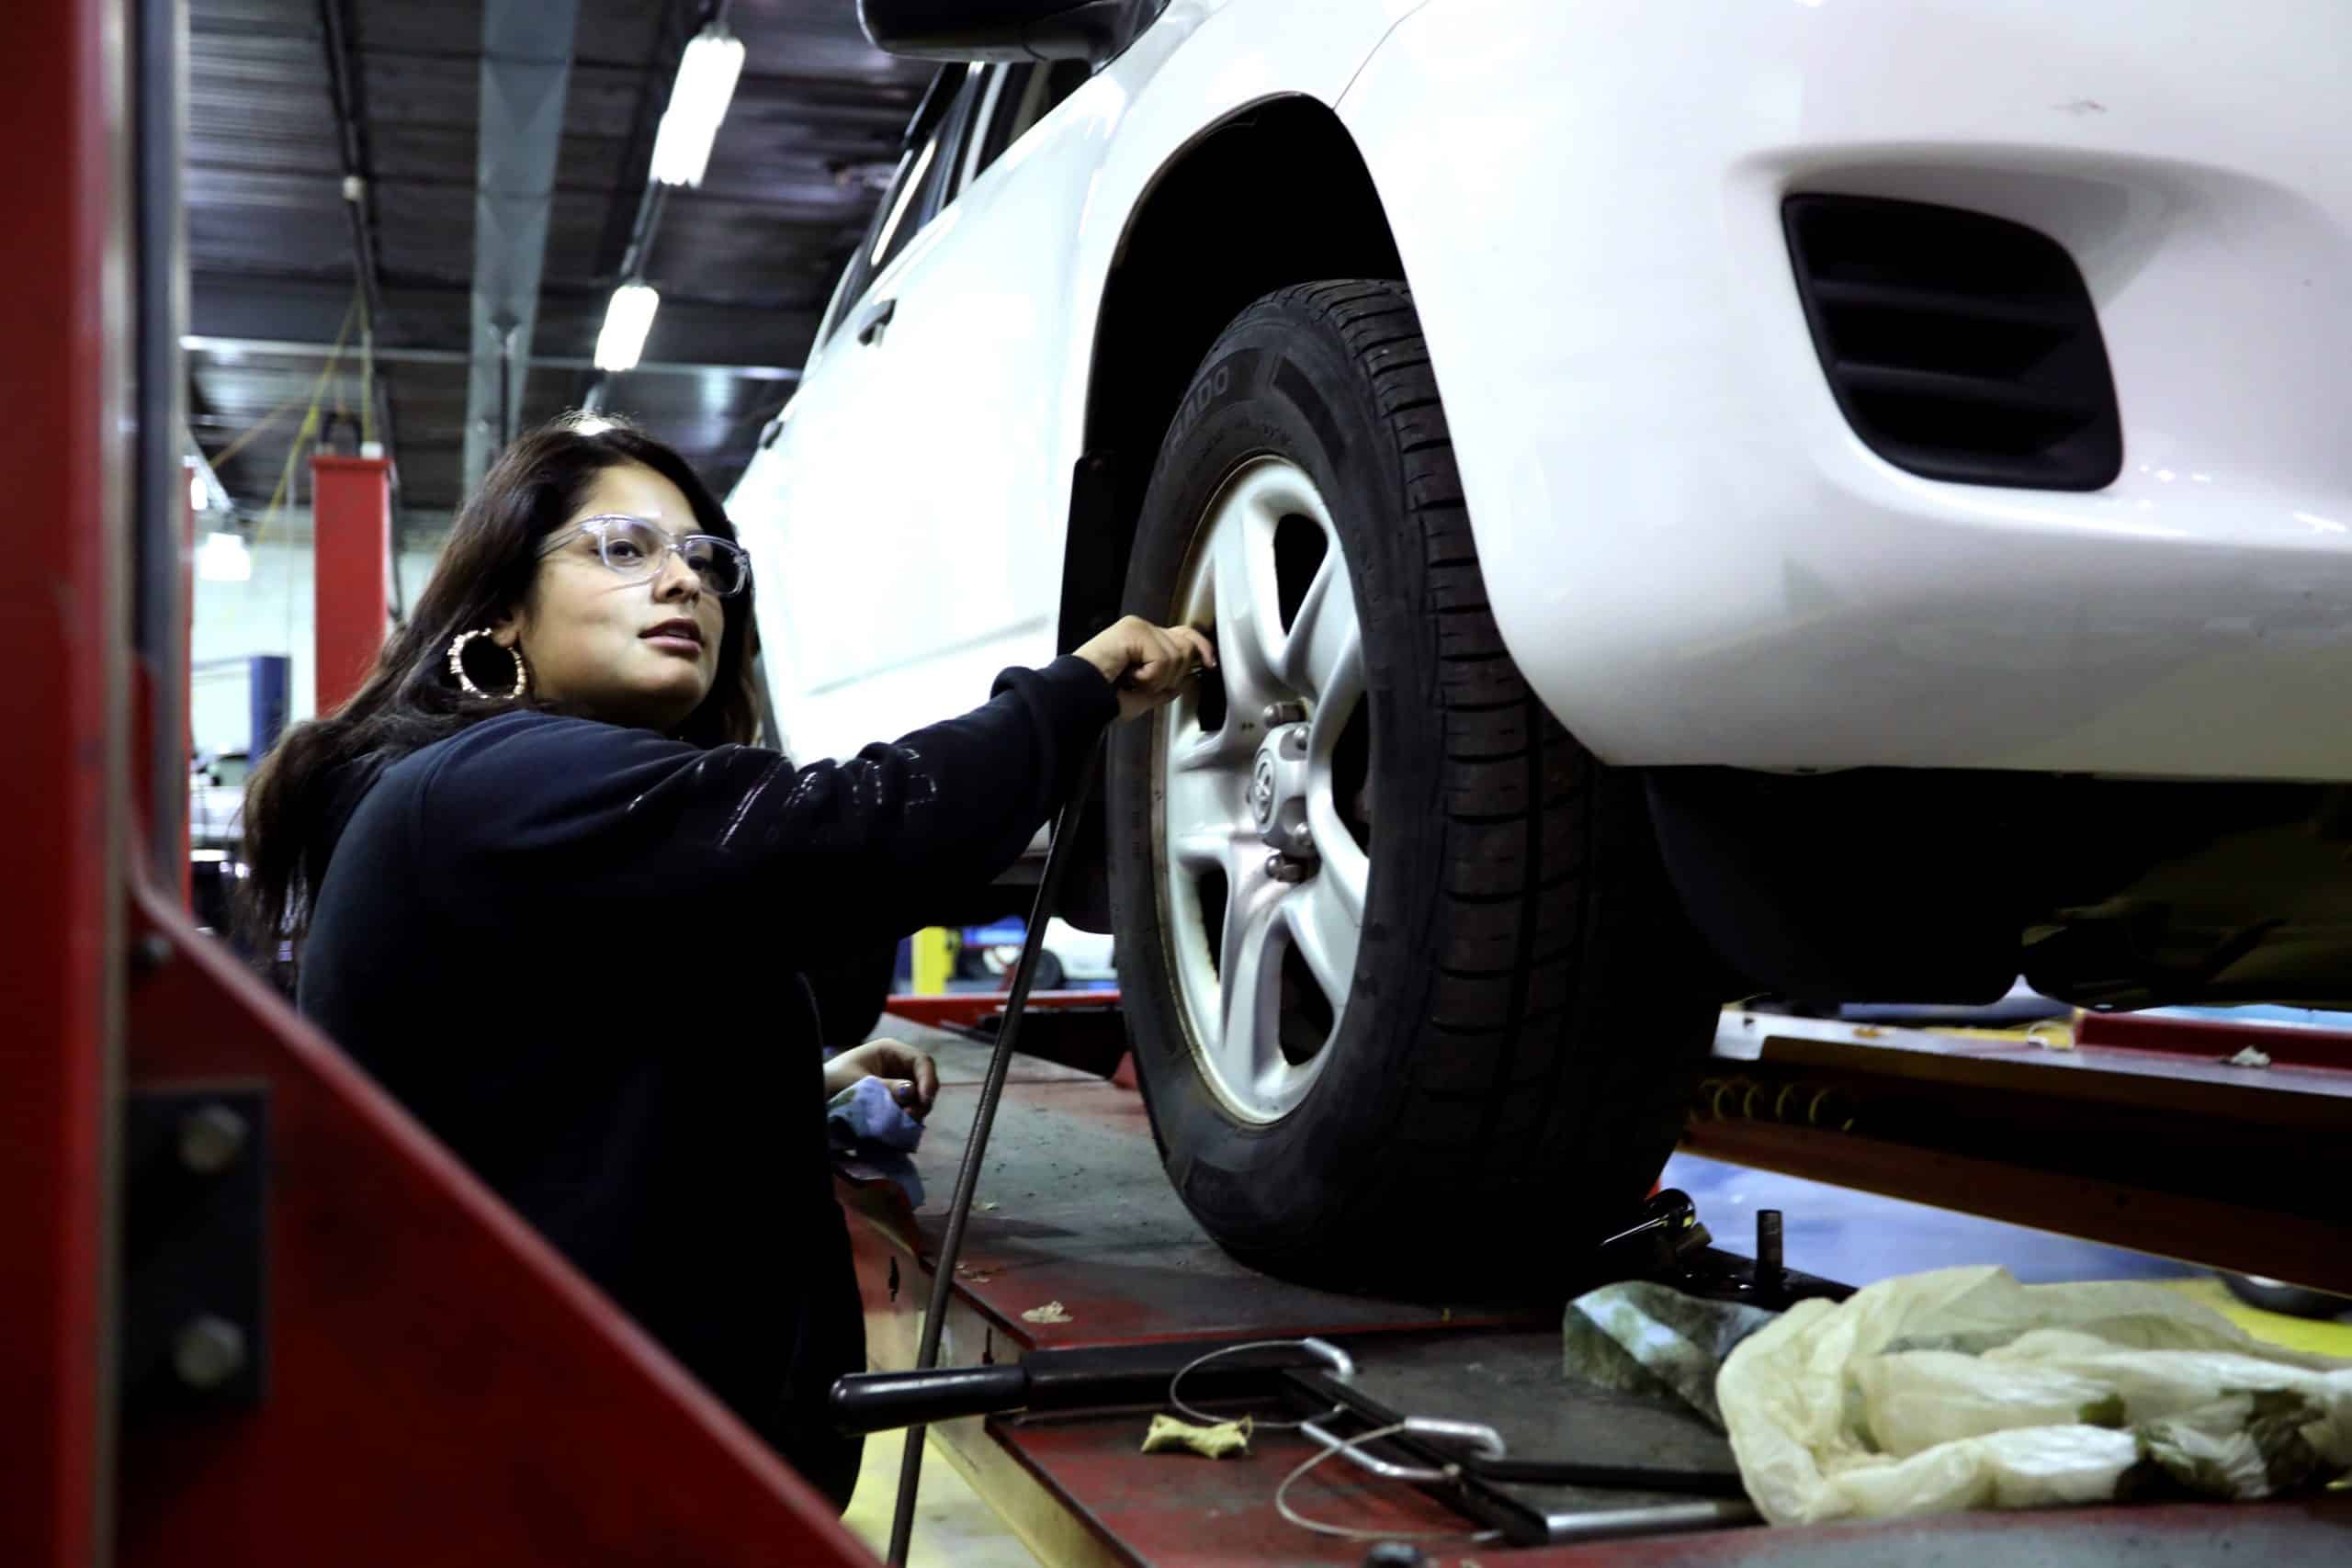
1888 529
1068 957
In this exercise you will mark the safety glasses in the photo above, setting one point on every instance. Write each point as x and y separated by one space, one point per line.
636 550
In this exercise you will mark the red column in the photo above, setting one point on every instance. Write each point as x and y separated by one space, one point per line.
351 507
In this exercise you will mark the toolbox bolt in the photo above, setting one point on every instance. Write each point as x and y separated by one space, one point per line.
1282 868
150 953
212 1137
1279 714
208 1351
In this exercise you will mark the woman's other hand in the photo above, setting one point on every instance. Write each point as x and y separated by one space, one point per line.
914 1079
1148 664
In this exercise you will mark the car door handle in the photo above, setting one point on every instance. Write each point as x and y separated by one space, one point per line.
869 331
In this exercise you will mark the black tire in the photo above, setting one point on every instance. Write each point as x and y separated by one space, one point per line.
1529 1009
2295 1300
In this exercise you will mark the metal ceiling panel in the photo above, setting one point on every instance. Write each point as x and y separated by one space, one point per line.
450 27
744 264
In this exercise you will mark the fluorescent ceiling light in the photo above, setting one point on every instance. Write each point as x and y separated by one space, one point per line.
224 559
698 101
627 321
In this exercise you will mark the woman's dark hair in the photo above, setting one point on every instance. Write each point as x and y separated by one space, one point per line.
297 800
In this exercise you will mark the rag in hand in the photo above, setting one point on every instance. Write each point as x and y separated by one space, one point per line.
866 1124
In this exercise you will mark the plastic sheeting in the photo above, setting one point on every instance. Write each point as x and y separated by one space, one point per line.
1964 1389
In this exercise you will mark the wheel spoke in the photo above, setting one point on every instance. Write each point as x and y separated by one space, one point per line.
1346 870
1325 930
1336 702
1251 974
1202 815
1249 618
1344 862
1324 637
1228 752
1203 805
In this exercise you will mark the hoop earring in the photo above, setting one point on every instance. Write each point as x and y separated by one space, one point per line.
465 682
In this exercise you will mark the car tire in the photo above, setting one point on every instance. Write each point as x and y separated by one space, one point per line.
1519 1025
1051 976
2276 1295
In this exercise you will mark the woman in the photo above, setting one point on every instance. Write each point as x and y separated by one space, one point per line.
541 886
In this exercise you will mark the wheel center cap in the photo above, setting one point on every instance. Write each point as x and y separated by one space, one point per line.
1262 791
1278 788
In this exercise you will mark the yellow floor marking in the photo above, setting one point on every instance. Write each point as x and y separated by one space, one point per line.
954 1527
2295 1332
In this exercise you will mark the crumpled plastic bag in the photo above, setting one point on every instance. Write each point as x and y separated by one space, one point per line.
1964 1389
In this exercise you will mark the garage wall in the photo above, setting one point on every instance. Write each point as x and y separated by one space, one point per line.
270 612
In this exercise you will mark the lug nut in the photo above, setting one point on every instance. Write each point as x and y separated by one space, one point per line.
1282 868
1279 714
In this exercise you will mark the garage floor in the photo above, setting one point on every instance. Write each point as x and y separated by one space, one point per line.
1835 1231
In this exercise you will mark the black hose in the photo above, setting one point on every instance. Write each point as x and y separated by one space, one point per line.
959 1209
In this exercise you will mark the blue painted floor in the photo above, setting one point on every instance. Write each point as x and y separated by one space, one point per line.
1858 1238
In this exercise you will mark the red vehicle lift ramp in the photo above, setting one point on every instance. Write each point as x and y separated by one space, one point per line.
383 1364
62 636
442 1387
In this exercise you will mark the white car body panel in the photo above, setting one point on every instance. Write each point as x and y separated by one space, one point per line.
1690 554
908 523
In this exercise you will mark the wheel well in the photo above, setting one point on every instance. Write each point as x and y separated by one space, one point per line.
1274 196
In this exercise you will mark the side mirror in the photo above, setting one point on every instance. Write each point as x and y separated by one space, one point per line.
1014 30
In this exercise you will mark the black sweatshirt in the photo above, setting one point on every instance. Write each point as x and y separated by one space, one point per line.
568 948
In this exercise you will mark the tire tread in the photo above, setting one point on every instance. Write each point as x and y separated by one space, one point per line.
1555 948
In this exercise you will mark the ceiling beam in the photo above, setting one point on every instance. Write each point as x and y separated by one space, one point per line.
292 348
526 73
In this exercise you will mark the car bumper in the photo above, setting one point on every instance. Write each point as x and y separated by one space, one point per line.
1691 554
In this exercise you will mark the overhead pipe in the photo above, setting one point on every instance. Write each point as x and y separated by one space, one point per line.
205 342
526 74
367 258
